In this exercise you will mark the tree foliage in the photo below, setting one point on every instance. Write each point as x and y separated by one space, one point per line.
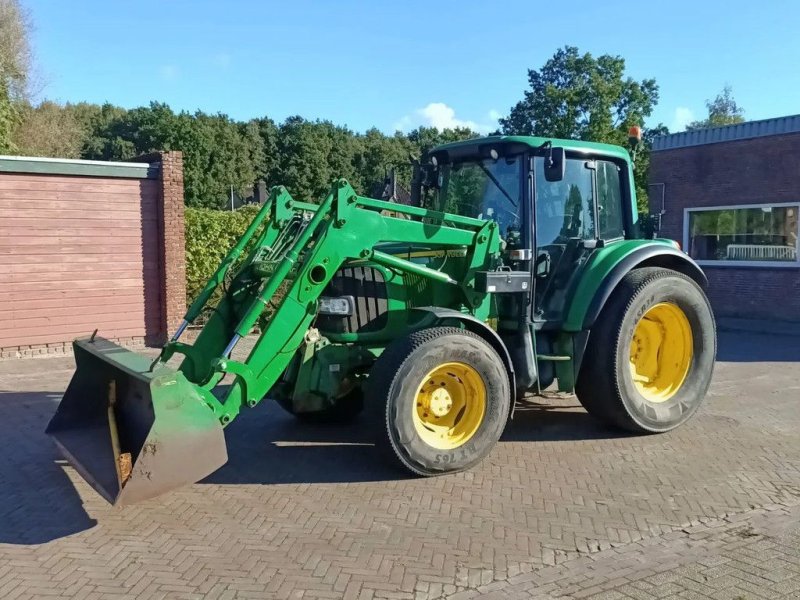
722 110
209 236
47 130
15 66
220 153
15 51
578 96
572 96
8 118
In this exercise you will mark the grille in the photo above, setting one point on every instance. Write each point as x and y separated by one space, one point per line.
368 288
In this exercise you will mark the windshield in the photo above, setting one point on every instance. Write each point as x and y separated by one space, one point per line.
484 189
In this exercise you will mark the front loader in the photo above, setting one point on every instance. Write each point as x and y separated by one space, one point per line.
519 268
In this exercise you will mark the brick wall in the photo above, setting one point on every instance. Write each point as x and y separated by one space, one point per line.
173 257
90 245
753 171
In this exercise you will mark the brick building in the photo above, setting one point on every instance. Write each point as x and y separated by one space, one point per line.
731 196
88 245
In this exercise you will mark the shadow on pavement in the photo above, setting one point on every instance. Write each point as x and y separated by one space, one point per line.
267 445
536 420
38 502
740 346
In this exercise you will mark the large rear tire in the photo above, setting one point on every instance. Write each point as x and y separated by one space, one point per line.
444 395
650 357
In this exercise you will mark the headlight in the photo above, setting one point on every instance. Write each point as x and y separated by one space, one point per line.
342 306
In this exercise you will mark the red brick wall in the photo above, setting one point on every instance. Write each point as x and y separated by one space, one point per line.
78 253
172 258
89 251
759 170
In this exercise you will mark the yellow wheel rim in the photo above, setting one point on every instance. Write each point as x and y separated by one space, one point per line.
450 405
661 352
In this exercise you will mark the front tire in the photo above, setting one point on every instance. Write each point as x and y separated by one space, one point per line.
444 395
650 357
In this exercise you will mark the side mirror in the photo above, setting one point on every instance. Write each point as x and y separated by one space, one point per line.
554 164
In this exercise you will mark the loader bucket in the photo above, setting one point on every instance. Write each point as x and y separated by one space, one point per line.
131 433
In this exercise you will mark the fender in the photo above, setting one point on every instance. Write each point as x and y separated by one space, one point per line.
604 272
481 329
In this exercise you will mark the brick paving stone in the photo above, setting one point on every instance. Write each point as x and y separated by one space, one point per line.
560 507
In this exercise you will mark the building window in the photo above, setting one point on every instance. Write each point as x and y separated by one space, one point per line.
764 234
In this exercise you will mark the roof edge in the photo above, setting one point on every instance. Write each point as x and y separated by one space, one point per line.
728 133
79 167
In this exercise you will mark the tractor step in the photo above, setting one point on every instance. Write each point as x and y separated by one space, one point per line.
554 357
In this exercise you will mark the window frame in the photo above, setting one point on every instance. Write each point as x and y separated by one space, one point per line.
622 200
779 264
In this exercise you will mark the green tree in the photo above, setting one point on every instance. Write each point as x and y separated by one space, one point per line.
581 97
48 129
722 110
8 118
375 153
578 96
311 154
220 154
95 120
15 67
268 132
303 151
425 138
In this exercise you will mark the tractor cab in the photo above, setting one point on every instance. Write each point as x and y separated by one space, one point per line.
553 204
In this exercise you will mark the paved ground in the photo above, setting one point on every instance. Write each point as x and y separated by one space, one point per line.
561 508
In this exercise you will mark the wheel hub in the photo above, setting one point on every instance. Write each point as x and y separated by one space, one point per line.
440 402
450 405
661 352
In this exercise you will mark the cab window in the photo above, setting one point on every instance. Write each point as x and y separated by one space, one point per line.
609 201
485 189
564 209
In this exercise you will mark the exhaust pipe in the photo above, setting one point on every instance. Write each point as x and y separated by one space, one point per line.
131 433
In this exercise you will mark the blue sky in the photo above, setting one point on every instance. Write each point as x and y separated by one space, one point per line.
402 64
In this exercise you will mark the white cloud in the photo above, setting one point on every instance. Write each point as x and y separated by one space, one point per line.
168 72
682 117
442 116
222 60
495 115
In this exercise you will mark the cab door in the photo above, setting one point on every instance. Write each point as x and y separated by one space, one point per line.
565 232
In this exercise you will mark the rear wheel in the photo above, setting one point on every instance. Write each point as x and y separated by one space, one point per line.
443 395
650 357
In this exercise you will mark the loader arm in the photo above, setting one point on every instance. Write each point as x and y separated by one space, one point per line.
291 262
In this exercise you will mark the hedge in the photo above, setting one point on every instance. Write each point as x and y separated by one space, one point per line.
209 235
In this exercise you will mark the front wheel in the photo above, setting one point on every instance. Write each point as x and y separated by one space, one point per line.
444 395
650 357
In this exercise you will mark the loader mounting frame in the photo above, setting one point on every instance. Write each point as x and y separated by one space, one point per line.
343 227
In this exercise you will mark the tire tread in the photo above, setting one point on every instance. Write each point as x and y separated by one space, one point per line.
598 387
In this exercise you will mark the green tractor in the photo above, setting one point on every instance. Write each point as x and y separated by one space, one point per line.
517 267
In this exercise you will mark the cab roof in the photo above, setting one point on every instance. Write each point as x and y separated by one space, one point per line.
518 143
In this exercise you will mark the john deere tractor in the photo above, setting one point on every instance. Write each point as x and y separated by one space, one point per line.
517 267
